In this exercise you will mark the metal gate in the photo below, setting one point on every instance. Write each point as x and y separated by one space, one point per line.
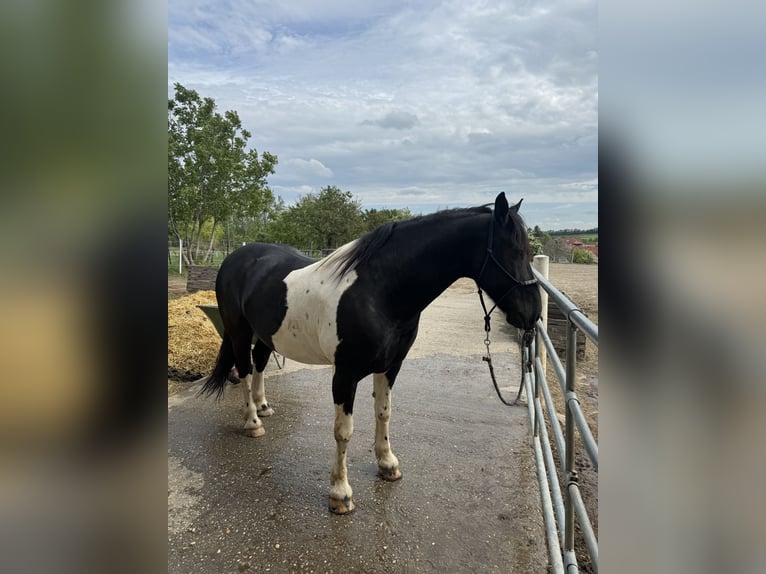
560 511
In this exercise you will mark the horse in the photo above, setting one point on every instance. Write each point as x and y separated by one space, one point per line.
358 309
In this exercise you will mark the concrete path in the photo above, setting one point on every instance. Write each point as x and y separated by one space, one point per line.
468 502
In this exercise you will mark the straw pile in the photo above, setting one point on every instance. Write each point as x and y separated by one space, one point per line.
193 341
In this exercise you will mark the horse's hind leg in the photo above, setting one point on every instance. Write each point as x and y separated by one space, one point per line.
253 425
388 464
261 354
242 359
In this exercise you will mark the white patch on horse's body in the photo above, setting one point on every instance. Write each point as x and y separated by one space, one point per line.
309 331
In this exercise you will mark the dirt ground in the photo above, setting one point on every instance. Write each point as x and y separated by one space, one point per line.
580 284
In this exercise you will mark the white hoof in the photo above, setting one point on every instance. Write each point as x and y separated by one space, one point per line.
265 412
256 432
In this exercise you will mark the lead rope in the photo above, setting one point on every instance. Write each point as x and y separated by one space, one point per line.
276 359
525 341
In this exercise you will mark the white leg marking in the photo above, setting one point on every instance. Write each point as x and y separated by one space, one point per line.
249 410
259 396
386 458
344 428
253 425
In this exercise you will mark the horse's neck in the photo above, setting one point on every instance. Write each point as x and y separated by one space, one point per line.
432 259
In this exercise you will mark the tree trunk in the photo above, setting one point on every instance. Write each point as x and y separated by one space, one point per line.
197 234
210 245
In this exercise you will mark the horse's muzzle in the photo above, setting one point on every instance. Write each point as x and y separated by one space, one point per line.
521 322
528 337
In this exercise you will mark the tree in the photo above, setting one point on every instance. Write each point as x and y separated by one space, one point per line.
535 245
326 220
211 174
544 243
374 218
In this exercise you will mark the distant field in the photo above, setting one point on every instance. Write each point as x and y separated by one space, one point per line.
591 238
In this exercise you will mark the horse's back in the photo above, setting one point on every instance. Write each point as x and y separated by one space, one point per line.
250 285
254 263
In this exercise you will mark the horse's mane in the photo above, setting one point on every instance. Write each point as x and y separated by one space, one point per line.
520 235
369 244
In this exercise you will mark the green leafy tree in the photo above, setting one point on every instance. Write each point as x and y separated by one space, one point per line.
374 218
324 220
246 229
286 227
211 175
535 244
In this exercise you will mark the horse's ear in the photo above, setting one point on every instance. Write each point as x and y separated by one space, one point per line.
516 207
501 208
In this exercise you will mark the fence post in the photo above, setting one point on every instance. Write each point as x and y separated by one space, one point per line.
541 264
180 255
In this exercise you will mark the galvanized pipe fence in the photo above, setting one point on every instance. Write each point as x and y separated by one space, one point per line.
219 251
562 507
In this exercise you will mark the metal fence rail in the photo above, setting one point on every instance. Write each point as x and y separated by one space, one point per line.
177 262
560 511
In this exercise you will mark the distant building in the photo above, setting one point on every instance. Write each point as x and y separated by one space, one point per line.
571 243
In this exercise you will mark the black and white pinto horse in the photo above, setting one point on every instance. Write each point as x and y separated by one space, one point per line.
358 309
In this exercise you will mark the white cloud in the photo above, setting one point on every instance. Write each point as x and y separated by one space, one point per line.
474 97
300 169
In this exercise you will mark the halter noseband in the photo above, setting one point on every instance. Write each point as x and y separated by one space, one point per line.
490 255
529 334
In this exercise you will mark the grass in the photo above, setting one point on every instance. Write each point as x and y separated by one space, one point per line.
591 238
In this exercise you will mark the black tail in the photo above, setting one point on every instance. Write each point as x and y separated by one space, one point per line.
216 382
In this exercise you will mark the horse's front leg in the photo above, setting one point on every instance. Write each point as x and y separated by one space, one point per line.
341 501
340 490
388 464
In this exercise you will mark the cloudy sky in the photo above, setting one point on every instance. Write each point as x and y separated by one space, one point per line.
424 105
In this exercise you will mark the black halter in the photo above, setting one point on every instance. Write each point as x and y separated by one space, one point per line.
490 255
529 334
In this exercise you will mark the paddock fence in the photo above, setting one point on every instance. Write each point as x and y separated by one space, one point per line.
563 506
178 264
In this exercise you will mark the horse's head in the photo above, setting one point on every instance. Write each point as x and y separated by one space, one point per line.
506 273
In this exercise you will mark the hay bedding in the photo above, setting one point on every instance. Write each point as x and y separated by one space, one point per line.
193 341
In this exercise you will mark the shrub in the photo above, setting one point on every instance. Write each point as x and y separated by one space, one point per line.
582 256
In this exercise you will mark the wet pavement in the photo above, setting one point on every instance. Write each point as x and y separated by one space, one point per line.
468 500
